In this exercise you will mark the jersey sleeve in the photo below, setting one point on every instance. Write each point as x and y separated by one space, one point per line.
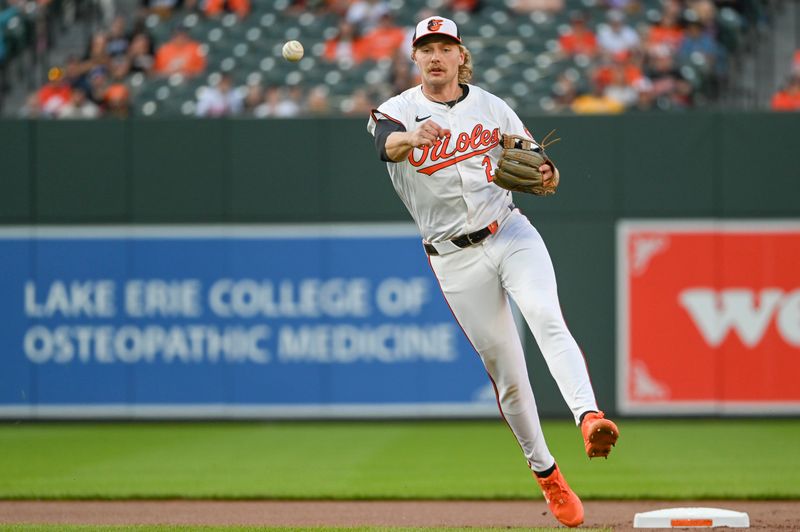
384 121
391 110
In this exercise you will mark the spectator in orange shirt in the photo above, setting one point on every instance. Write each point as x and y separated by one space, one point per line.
666 32
619 88
180 55
212 8
116 99
788 99
579 40
629 63
55 94
384 39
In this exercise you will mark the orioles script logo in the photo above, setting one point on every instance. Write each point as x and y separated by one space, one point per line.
434 24
467 145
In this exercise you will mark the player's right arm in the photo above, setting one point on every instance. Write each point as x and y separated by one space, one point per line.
393 142
400 143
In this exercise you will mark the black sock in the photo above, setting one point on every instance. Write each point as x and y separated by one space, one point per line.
585 413
546 473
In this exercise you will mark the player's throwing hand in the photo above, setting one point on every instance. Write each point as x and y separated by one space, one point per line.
427 134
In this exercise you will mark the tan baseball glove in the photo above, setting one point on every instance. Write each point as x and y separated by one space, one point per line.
518 168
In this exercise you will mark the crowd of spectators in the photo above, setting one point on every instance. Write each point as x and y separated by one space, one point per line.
668 63
221 98
675 60
99 81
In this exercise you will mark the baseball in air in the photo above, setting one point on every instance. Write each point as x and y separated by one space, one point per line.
293 51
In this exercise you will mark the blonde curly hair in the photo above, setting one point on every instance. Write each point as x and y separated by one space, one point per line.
465 70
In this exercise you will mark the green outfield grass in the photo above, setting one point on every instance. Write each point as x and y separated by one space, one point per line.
391 460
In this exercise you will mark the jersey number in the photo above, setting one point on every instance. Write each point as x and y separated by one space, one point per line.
487 165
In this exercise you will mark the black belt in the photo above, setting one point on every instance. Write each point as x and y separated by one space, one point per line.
465 241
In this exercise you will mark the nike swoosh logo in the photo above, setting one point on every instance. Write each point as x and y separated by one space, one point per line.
418 119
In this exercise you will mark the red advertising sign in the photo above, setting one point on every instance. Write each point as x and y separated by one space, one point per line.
708 317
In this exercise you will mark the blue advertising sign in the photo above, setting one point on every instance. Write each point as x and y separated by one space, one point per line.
229 321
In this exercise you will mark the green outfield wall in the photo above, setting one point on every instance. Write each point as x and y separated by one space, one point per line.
706 165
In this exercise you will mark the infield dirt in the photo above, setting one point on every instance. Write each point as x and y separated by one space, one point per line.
618 515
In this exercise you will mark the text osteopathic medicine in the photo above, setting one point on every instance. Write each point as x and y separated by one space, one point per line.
270 321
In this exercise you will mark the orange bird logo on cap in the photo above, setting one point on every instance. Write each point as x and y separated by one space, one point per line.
434 24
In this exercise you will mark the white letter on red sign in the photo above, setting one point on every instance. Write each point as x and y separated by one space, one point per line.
715 314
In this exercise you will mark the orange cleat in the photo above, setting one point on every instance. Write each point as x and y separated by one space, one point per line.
599 434
563 503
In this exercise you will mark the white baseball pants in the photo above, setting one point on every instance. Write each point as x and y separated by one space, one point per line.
476 282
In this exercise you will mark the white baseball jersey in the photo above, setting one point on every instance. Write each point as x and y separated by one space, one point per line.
447 187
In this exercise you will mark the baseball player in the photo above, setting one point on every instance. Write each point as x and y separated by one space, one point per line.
443 141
